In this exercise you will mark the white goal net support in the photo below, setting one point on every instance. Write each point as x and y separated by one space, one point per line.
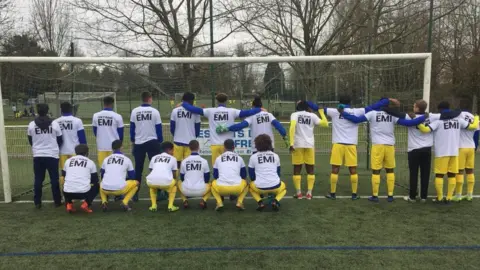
280 81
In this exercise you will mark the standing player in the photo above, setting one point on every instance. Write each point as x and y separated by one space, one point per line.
45 137
220 116
194 177
73 134
81 180
230 174
163 168
260 123
185 127
382 133
446 136
117 177
264 171
302 146
345 140
107 127
145 134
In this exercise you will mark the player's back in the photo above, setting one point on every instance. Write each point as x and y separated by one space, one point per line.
266 168
145 118
229 165
78 171
194 169
107 123
115 168
382 127
446 135
184 125
220 116
418 139
261 123
466 136
70 125
343 130
305 123
162 167
44 138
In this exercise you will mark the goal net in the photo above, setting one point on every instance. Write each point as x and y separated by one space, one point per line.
279 81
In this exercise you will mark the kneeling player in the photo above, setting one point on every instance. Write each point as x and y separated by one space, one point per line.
264 171
117 177
81 179
230 173
163 168
194 176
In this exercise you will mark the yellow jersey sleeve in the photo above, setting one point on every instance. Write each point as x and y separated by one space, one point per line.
323 120
474 125
424 129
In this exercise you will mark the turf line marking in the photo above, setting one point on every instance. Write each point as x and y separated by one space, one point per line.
271 248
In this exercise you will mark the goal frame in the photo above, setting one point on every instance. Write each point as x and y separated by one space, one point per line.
427 57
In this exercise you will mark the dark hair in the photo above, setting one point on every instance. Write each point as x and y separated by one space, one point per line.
229 144
194 145
108 101
263 143
116 145
165 146
146 96
421 105
257 102
66 107
465 103
42 109
302 105
81 150
188 97
443 105
344 99
222 98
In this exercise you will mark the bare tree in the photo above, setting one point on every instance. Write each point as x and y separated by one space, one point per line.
6 7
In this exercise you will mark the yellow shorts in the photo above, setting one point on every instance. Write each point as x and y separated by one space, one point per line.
344 154
101 155
181 152
254 188
466 158
382 156
166 188
303 156
131 184
229 190
62 160
217 150
445 165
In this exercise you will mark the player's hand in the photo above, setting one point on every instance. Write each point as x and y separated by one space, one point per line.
292 149
222 129
394 102
287 141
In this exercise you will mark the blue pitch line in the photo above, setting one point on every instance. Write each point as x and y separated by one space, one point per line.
272 248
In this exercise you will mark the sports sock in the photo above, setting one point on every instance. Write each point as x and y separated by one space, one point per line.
310 182
333 182
129 195
390 183
470 184
208 192
354 182
281 191
439 187
153 196
103 196
375 184
171 196
255 194
297 179
216 195
452 182
459 185
242 195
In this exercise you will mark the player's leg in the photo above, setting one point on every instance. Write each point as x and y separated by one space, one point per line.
182 195
376 162
172 191
179 155
39 170
460 178
351 162
243 188
413 167
139 153
217 150
425 167
206 196
310 168
153 197
452 173
216 192
69 202
469 167
389 165
256 194
128 192
52 167
101 156
336 160
298 159
279 194
441 168
61 163
89 197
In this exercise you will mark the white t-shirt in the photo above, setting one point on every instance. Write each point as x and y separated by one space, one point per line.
446 136
184 125
116 167
162 167
70 126
145 119
344 131
78 172
265 165
44 142
229 165
466 136
107 122
261 123
218 116
418 139
194 168
306 121
382 127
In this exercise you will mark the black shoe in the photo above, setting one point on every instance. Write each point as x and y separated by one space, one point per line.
38 206
135 198
275 206
260 206
58 204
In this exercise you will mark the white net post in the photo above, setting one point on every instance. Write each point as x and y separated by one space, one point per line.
7 191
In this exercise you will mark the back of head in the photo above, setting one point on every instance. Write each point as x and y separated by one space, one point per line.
66 107
465 104
42 109
344 99
194 146
108 101
302 105
116 145
421 105
166 146
222 98
443 105
229 145
81 150
188 97
146 97
263 143
257 102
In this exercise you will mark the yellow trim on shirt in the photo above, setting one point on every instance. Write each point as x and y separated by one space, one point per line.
293 125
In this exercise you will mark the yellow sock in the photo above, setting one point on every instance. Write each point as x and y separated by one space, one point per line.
171 196
310 182
216 194
255 195
354 182
297 179
333 182
103 196
282 190
242 195
470 184
390 183
452 182
153 196
375 184
459 185
207 192
129 195
439 187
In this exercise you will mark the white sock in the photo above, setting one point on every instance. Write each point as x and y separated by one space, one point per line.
309 192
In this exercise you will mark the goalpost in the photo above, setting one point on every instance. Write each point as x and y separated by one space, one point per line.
364 77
